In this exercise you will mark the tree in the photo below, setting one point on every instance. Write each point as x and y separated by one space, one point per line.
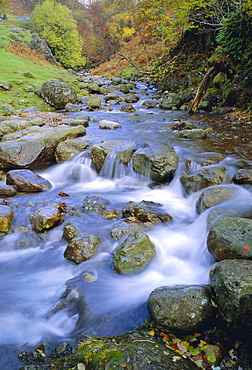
24 7
54 23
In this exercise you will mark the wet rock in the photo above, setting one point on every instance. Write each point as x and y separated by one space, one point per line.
94 102
202 178
7 110
127 108
181 309
9 126
93 88
112 96
70 107
126 88
146 211
124 151
243 176
232 283
159 162
202 160
77 121
131 98
95 204
69 232
213 196
109 125
150 103
135 350
34 147
122 228
7 191
110 213
6 216
193 134
134 253
81 248
58 93
184 125
45 217
170 101
69 148
27 181
230 238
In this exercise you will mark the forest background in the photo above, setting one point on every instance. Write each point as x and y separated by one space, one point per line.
172 42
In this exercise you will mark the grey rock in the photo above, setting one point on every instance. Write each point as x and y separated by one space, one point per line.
202 178
127 108
131 98
160 161
9 126
146 211
181 309
232 284
7 191
27 181
5 85
41 47
7 110
70 107
243 176
68 148
45 217
81 248
202 159
95 204
58 93
150 103
170 101
134 253
213 196
94 102
122 228
230 238
112 96
108 125
193 134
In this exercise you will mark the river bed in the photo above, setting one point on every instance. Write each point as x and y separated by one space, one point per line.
34 278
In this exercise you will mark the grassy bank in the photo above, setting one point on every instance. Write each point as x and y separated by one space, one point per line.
25 70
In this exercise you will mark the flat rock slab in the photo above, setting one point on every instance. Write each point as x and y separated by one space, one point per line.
27 181
35 149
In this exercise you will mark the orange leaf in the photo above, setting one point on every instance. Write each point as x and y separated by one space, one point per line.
246 249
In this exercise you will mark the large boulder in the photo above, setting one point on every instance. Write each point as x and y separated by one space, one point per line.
181 309
45 217
170 101
230 238
81 247
58 93
159 162
6 216
196 133
35 147
134 253
213 196
146 211
7 110
202 178
232 283
94 102
27 181
123 149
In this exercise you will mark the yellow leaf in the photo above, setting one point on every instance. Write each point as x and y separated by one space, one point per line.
152 333
202 343
166 353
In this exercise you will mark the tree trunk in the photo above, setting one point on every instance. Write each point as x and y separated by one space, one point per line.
202 89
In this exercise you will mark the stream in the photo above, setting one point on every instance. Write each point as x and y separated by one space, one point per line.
33 278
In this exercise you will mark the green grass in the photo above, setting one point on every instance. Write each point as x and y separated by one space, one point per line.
28 70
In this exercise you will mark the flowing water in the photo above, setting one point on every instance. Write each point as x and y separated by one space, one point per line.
34 273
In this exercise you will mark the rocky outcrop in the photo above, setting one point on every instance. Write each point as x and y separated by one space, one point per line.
45 217
27 181
134 253
81 247
230 238
146 211
181 309
202 159
232 283
34 148
159 162
202 178
13 125
41 47
6 216
58 93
